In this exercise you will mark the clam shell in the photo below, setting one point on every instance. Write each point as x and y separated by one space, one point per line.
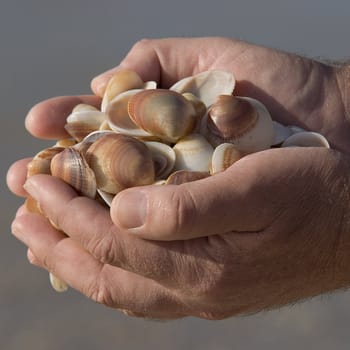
163 158
223 157
306 139
83 107
281 133
40 164
120 161
122 80
81 123
106 197
182 176
193 152
118 116
242 121
207 85
71 167
163 113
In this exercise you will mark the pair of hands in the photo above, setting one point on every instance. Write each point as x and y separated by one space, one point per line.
270 230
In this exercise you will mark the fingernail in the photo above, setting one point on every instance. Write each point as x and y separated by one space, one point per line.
31 257
31 188
17 230
130 209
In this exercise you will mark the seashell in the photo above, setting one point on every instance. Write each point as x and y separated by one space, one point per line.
57 284
118 116
295 129
40 164
182 176
207 85
193 152
83 107
120 161
242 121
281 133
197 104
71 167
106 197
223 157
163 158
306 139
122 80
163 113
104 126
81 123
65 143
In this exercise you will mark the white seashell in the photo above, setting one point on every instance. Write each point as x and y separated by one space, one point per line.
207 85
243 121
150 85
57 284
107 197
81 123
118 117
295 129
281 133
193 152
163 158
223 157
83 107
306 139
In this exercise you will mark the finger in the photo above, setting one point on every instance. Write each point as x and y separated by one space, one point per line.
247 197
46 120
90 224
16 176
168 60
104 284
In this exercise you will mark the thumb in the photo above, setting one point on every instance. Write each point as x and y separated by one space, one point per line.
222 203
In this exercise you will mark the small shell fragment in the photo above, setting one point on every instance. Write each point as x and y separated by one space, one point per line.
57 284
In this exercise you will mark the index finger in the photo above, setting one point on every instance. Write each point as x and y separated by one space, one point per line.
46 119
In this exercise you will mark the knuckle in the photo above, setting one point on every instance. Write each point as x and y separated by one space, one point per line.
105 248
99 293
142 44
182 212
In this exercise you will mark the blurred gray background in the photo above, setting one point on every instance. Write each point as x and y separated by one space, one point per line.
51 48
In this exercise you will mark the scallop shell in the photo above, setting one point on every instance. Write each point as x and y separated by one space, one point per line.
163 113
207 85
193 152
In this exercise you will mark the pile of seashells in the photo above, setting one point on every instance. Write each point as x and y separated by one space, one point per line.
143 135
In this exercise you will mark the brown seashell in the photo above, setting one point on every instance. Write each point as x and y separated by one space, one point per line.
182 176
242 121
122 80
82 123
71 167
223 157
65 143
163 113
119 162
40 164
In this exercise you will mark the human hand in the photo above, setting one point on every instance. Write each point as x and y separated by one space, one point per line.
240 260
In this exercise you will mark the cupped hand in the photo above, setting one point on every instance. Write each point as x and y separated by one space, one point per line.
268 231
